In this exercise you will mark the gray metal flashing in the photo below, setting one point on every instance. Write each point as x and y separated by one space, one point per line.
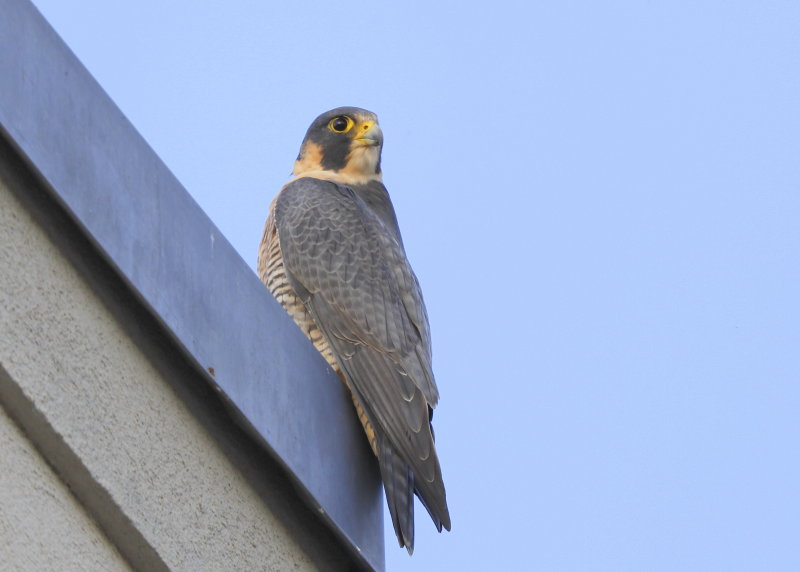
173 258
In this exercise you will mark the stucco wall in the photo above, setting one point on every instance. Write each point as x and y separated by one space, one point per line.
135 458
42 525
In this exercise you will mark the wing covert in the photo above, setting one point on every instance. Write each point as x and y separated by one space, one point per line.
335 246
355 280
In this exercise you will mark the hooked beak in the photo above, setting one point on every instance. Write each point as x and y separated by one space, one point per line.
369 134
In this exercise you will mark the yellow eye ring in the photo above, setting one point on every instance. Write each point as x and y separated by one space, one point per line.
341 124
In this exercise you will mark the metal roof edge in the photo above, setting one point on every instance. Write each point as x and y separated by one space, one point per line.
187 274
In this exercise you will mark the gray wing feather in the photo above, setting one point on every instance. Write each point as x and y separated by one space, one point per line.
353 275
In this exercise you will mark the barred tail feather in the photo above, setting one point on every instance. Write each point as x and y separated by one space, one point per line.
398 482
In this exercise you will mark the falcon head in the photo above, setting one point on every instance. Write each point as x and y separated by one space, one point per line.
346 141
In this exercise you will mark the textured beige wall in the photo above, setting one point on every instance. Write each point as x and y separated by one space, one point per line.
83 392
42 526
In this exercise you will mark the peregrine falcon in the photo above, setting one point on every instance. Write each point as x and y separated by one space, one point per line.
333 257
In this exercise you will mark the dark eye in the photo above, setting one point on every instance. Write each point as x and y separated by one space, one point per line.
340 124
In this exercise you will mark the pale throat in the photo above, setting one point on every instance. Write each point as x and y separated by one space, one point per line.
362 162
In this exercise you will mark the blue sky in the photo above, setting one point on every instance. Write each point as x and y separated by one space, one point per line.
602 204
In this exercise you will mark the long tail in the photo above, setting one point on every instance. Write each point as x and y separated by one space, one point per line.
398 482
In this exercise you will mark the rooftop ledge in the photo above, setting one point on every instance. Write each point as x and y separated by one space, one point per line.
176 263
